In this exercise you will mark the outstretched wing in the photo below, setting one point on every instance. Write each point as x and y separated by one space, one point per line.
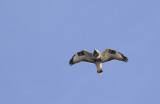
110 54
82 56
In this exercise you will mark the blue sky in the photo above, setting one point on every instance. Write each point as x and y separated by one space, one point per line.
39 37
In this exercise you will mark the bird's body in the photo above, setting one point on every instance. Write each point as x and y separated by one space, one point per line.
97 57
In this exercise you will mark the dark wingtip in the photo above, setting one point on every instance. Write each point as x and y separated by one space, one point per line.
71 61
125 59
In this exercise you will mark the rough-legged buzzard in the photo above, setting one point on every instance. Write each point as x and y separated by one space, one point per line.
97 57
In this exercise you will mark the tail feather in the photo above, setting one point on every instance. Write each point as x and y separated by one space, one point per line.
99 67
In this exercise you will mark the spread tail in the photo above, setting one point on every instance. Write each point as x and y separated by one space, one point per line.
99 67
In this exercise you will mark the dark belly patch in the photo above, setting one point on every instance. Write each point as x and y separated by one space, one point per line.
97 60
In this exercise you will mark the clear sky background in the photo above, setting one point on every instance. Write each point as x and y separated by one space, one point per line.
39 37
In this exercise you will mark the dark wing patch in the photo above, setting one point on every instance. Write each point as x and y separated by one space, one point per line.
112 51
80 53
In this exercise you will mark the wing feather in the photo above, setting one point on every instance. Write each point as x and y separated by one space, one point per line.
82 56
110 54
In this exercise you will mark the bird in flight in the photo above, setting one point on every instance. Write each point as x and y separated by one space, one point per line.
97 57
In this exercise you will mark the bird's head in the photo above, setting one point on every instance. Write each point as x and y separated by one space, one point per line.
96 53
